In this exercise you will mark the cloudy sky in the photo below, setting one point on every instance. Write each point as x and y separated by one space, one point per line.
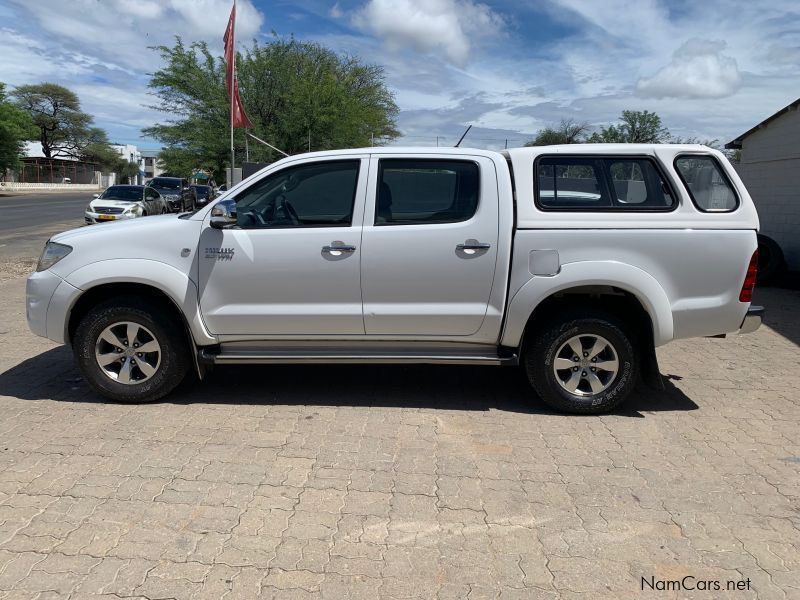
710 68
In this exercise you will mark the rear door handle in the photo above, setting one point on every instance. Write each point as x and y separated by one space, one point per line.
473 245
338 247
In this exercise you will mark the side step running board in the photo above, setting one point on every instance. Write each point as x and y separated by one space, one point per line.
267 357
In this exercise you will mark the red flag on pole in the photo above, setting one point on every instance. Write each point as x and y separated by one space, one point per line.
239 119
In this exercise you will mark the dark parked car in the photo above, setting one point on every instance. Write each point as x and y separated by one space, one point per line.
176 191
203 193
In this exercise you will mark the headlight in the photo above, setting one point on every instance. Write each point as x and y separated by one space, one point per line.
52 253
89 208
134 210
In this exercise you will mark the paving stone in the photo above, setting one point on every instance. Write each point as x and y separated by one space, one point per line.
400 482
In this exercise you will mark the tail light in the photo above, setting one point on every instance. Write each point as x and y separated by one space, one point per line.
746 295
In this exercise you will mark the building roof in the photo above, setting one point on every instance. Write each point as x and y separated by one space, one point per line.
737 143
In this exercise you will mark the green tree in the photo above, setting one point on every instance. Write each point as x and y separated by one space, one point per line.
96 149
126 170
567 132
292 91
15 127
64 129
635 127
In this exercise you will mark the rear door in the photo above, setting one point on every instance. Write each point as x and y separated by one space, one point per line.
429 245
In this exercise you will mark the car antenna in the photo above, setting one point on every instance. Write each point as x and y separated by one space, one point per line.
463 136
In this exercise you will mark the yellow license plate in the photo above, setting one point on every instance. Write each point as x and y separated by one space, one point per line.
105 217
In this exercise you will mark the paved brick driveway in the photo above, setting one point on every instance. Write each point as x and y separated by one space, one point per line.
401 482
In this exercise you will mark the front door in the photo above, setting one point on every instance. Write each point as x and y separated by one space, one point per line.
291 265
429 246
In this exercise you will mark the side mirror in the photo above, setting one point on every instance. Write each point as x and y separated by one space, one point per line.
223 214
95 195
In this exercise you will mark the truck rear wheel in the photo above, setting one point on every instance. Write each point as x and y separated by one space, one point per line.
129 351
582 363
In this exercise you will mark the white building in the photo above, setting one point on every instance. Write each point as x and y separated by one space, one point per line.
150 164
132 154
770 168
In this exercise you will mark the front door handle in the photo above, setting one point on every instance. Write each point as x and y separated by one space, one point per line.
338 248
473 245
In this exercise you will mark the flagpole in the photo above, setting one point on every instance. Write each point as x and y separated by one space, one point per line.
233 87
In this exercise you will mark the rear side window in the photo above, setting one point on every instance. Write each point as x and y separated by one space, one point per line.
636 183
420 191
709 187
575 183
601 183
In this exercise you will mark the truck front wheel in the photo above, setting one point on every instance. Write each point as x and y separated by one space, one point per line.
129 351
582 363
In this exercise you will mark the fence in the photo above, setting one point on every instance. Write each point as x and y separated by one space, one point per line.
55 170
17 186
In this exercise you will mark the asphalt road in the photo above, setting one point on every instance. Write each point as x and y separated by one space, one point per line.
27 221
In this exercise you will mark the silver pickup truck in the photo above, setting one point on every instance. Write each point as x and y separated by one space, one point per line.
575 262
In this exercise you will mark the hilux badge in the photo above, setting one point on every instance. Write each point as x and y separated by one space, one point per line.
219 253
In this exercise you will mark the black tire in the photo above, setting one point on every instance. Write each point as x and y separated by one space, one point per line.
771 262
540 354
174 357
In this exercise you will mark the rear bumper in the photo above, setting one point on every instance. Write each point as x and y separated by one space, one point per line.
752 320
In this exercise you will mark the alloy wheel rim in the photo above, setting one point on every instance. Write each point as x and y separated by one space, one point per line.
586 365
128 353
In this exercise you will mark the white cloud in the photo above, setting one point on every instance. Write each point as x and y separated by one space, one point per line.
208 18
698 70
336 11
119 31
428 26
144 9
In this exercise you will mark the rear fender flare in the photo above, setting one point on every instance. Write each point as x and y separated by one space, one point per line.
626 277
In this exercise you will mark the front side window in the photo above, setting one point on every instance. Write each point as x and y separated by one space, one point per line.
151 194
320 194
425 191
709 187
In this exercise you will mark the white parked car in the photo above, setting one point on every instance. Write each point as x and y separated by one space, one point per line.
573 261
120 202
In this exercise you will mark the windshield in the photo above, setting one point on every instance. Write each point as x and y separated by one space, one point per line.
118 192
165 184
202 190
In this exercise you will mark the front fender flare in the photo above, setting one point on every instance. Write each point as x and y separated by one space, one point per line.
626 277
161 276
